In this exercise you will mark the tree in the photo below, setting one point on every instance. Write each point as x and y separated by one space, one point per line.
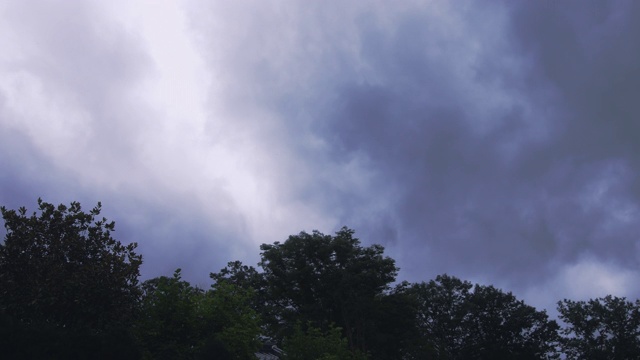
394 324
314 344
244 277
443 316
179 321
170 324
236 273
460 321
603 328
68 289
238 323
323 279
63 268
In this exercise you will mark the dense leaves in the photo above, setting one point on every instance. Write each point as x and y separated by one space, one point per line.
314 344
460 321
235 273
237 323
247 278
61 272
323 279
604 328
172 324
63 267
179 321
393 322
69 290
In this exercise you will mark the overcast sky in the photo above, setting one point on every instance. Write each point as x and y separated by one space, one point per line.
494 141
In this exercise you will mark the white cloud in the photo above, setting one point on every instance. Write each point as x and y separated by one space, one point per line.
586 279
168 133
589 279
54 123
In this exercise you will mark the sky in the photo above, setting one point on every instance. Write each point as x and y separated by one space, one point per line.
498 141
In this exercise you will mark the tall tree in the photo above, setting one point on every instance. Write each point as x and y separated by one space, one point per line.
236 273
324 279
394 320
179 321
244 277
68 289
62 267
170 324
460 321
603 328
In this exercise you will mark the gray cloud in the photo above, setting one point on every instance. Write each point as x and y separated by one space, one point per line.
470 158
494 142
513 192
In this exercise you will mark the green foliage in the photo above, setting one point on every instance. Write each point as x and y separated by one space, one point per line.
325 279
68 289
171 325
247 278
62 267
604 328
460 321
314 344
235 273
182 322
239 324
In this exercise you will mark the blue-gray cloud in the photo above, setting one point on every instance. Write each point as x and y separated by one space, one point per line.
495 142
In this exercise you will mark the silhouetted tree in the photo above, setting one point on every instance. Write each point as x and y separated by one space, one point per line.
394 328
604 328
62 272
247 278
323 279
171 324
460 321
236 273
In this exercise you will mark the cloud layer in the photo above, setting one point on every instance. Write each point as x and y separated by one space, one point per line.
494 142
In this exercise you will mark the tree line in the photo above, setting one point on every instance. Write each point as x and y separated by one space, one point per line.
69 290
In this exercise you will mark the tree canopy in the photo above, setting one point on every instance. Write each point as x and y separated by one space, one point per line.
179 321
323 279
62 267
603 328
172 324
314 344
458 320
68 289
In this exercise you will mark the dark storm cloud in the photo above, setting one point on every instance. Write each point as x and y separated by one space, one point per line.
552 178
171 237
586 57
496 142
16 179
